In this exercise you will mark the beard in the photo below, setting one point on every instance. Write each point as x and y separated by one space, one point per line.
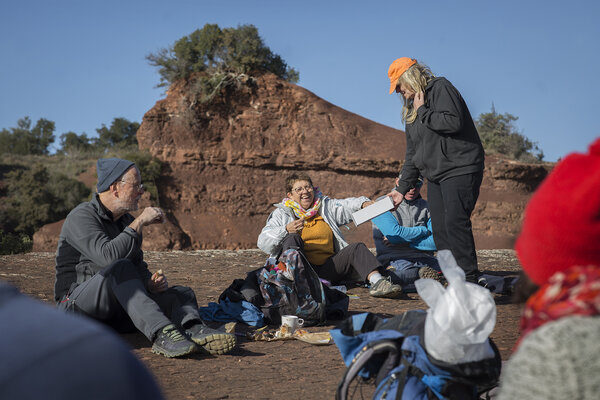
125 206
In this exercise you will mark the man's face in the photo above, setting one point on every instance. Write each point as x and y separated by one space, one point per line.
130 190
413 193
302 193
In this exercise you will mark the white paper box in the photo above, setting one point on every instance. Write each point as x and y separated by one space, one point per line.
375 209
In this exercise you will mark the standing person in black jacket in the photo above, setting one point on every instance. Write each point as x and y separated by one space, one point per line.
443 145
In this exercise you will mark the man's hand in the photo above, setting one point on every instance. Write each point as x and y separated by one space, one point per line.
150 215
295 226
397 197
419 100
158 282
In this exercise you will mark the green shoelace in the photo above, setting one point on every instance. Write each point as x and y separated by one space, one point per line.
173 333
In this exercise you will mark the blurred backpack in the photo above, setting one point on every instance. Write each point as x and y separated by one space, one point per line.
289 285
392 353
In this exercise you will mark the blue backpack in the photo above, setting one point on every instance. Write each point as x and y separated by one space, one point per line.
391 352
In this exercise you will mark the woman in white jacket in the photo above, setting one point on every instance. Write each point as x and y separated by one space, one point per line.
308 221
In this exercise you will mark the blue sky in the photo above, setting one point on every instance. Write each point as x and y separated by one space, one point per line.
82 63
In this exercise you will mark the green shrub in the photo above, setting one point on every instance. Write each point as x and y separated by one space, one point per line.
499 135
24 139
35 198
219 58
73 145
14 243
120 134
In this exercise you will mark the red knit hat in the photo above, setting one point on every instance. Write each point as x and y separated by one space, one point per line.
561 227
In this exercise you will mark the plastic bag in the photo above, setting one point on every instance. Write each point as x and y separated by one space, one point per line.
460 318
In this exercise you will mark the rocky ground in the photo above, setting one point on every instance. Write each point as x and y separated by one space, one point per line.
288 369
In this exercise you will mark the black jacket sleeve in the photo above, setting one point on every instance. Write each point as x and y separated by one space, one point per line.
443 111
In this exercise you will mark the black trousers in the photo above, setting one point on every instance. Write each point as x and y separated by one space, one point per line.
451 203
117 296
351 264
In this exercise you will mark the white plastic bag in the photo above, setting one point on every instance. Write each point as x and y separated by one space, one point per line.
460 318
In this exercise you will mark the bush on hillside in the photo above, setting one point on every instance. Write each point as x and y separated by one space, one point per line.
120 135
499 135
26 140
73 145
34 198
23 139
223 57
14 243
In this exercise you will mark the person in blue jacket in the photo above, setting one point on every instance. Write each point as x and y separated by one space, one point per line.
404 240
442 145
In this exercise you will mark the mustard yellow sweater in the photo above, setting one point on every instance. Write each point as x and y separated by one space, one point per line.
318 240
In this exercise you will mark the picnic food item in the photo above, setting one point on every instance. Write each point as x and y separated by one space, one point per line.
157 274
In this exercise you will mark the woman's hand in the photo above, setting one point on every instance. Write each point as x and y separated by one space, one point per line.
295 226
367 204
419 100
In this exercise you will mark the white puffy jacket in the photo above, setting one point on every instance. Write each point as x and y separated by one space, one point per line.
336 212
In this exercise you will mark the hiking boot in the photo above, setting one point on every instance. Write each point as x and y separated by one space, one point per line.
211 341
385 288
430 273
171 343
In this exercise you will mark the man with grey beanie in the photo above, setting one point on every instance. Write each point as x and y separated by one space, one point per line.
101 273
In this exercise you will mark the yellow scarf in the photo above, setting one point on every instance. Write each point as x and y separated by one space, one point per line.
301 212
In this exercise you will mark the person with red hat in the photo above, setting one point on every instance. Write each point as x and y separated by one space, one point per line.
443 145
557 355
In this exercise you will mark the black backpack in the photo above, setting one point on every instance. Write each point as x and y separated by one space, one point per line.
289 285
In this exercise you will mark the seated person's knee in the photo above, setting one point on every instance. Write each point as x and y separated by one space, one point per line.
122 270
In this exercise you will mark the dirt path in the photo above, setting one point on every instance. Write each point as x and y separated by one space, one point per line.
254 370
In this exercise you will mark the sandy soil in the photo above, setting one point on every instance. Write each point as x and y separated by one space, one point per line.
254 370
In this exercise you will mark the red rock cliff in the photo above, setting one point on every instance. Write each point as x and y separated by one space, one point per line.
226 162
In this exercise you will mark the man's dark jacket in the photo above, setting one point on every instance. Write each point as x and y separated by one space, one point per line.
89 241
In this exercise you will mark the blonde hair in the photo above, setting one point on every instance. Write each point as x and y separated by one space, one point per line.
416 78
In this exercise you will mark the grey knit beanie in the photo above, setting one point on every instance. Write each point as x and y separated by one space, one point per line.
109 170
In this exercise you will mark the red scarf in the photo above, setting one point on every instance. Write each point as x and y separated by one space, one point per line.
575 291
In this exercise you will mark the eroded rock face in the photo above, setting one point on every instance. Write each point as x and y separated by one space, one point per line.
226 162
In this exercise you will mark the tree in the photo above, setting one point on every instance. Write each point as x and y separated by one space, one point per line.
26 140
72 143
498 134
29 202
120 134
222 55
35 197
